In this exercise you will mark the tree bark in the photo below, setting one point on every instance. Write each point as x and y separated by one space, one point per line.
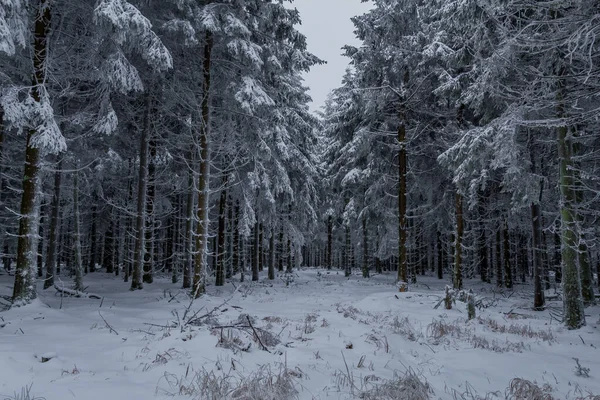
574 316
202 237
272 255
458 281
255 257
53 229
236 239
150 240
220 271
140 235
329 241
365 266
77 256
24 287
402 225
508 276
498 261
189 233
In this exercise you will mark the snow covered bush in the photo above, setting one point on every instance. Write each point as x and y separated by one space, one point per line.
262 384
407 387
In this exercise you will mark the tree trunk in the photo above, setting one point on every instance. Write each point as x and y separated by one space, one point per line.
236 238
539 300
189 233
498 261
149 240
140 235
458 281
220 271
402 226
204 178
281 237
508 276
347 256
53 229
365 266
91 266
329 241
440 258
272 255
260 248
108 260
574 316
255 258
24 287
77 256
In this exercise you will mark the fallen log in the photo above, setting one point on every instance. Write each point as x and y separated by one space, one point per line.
76 293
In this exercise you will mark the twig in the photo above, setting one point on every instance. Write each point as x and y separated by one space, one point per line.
161 326
350 378
256 335
581 340
112 330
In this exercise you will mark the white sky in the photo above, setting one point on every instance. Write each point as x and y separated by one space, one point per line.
327 27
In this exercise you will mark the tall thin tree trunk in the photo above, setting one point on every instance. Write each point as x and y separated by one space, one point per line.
255 257
329 241
189 233
402 225
202 237
108 260
77 259
24 287
498 261
272 255
140 234
260 248
221 254
150 239
508 276
365 267
440 260
236 238
91 266
458 281
53 229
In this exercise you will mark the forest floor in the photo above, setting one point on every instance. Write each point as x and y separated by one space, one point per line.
321 336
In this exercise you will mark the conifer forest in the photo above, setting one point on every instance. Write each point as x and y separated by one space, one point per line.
164 180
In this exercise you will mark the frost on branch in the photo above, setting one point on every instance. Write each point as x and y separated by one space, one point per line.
13 27
251 95
107 122
22 112
132 29
121 75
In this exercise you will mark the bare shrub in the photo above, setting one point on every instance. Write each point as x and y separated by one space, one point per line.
404 327
262 384
24 394
580 370
522 389
480 342
439 329
347 311
406 387
516 329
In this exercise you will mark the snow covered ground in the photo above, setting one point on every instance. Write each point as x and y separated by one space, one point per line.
329 336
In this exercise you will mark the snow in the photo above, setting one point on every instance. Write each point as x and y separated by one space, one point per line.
126 346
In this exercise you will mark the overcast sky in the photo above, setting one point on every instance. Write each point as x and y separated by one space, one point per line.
327 27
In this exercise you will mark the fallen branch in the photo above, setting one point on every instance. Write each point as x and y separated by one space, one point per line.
256 335
112 330
76 293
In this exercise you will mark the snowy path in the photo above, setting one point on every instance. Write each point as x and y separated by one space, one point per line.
317 319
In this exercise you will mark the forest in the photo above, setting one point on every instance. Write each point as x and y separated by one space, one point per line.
167 146
175 137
